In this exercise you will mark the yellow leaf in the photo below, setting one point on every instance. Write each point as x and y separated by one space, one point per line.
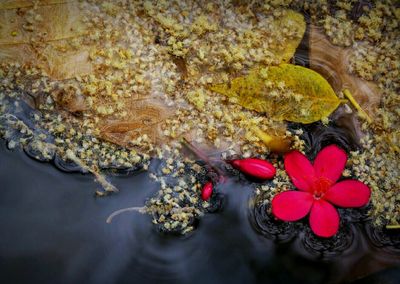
284 92
294 22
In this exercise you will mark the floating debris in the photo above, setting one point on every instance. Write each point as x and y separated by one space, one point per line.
207 191
256 168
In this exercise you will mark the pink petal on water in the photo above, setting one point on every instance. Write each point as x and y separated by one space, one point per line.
348 194
330 163
324 219
300 170
291 205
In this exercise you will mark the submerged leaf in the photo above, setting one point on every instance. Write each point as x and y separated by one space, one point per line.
285 92
47 38
333 63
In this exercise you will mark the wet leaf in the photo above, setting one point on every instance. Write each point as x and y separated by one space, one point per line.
294 22
284 92
55 24
333 62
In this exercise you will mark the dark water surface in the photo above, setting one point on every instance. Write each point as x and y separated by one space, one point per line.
53 230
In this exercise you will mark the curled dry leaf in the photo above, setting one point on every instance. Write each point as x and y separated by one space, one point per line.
143 118
284 92
332 62
43 35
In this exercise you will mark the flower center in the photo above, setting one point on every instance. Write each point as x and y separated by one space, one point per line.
320 187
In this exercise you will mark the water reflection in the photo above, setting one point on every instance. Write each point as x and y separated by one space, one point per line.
54 230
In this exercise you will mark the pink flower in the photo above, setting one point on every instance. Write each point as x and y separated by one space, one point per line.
319 190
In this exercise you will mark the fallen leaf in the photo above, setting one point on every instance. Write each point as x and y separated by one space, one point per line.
333 63
284 92
143 118
55 23
294 22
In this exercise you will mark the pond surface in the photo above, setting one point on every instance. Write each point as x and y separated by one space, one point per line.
53 230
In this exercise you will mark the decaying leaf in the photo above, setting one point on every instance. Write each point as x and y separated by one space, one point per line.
143 118
333 63
38 34
284 92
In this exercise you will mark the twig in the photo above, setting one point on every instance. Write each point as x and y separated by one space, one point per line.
392 227
99 178
115 213
202 156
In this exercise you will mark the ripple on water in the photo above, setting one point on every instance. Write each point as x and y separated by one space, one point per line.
66 165
159 257
306 241
385 239
266 225
328 248
356 214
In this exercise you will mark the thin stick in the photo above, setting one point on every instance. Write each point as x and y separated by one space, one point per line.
266 138
99 178
115 213
194 150
393 227
202 156
361 112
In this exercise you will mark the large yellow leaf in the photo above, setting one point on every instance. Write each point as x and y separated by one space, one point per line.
284 92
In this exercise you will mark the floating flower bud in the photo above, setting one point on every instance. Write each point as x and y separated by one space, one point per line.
256 168
207 191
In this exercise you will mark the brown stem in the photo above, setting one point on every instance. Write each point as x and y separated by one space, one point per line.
204 157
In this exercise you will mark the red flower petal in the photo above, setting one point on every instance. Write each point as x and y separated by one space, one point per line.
348 193
324 219
330 163
291 205
300 170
